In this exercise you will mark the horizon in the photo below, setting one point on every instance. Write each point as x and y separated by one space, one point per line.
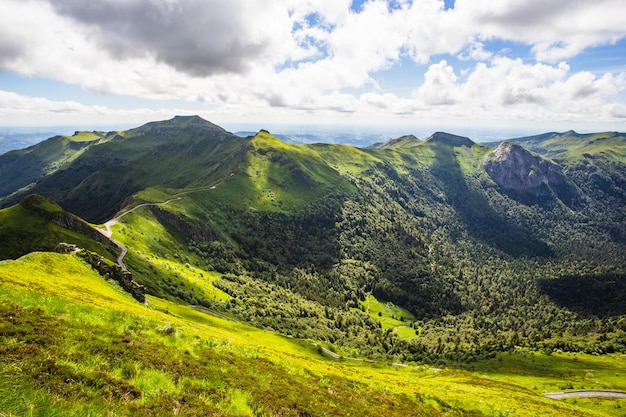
453 65
355 135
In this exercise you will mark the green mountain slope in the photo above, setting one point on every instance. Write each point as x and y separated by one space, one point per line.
21 169
465 237
74 345
570 147
506 259
174 154
38 224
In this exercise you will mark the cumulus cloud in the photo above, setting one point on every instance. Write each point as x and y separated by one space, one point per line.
556 29
198 37
509 88
439 86
320 55
475 51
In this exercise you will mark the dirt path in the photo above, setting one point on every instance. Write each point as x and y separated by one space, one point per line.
585 394
108 231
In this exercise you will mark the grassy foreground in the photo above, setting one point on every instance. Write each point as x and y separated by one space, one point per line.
73 344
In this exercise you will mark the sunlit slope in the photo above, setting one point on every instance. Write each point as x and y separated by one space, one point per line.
106 353
74 345
162 261
37 223
283 177
571 147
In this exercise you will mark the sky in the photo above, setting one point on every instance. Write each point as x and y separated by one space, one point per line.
457 66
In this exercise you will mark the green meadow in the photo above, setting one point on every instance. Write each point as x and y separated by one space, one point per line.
390 316
75 344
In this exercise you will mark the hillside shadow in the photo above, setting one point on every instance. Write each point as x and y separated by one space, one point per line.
588 295
546 197
477 215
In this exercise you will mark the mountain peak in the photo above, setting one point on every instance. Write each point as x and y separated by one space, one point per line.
450 139
40 204
517 169
181 122
195 119
401 142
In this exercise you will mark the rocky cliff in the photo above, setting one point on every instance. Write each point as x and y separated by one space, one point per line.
107 270
527 175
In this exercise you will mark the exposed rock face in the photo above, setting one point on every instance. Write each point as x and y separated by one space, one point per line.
108 270
514 168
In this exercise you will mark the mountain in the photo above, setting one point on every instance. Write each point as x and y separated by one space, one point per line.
528 176
438 251
92 174
571 147
442 227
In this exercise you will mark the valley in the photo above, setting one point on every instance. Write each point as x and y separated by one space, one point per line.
468 279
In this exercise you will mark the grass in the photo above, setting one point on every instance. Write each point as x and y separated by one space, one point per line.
154 253
126 363
560 372
73 344
28 226
390 316
283 176
84 136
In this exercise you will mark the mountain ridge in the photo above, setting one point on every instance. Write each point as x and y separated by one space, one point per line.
418 223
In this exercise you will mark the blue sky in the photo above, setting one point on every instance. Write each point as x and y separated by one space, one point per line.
460 66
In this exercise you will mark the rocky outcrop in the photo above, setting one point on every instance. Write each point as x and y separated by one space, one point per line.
527 174
71 222
513 167
108 270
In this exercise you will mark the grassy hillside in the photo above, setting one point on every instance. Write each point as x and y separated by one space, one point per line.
39 224
571 147
408 252
73 344
21 169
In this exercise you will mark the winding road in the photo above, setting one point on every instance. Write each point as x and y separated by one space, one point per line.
108 231
585 394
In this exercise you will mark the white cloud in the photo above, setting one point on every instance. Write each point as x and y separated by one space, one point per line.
16 109
510 89
300 57
439 86
475 51
556 29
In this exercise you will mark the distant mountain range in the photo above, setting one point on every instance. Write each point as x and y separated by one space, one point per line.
12 140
